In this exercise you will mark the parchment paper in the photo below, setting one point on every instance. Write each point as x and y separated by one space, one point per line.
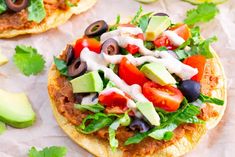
219 142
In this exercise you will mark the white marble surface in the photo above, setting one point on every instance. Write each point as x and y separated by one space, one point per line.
219 142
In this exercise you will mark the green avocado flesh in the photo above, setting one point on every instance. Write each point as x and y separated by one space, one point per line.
158 73
149 112
16 110
157 25
89 82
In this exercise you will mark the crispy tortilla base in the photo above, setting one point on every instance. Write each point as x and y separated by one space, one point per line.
57 18
180 147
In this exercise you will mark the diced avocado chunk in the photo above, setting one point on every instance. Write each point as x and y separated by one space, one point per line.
3 59
16 110
149 112
158 73
89 82
157 25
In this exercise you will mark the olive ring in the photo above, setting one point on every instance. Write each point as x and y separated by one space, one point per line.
18 5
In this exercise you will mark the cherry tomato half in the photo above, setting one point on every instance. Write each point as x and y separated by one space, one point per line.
131 74
182 30
163 41
113 102
166 97
196 61
132 49
90 43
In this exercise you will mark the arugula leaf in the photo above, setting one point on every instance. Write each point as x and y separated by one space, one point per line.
204 47
53 151
3 6
207 99
2 127
144 21
134 21
93 108
203 13
123 121
96 122
114 27
36 11
61 66
28 61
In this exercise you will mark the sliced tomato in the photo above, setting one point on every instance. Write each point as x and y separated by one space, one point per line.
163 41
182 30
132 49
130 73
140 36
196 61
166 97
113 102
90 43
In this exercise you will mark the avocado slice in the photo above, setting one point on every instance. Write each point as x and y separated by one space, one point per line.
157 73
16 110
157 25
3 59
2 127
89 82
149 112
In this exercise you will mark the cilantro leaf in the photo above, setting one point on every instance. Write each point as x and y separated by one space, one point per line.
61 66
93 108
53 151
204 47
137 16
2 127
36 11
28 61
3 6
144 21
203 13
207 99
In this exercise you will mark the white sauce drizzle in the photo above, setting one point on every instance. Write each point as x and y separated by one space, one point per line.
124 36
175 39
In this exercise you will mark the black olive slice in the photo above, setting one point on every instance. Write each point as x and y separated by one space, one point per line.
161 14
77 68
70 54
110 47
18 5
139 125
79 96
96 28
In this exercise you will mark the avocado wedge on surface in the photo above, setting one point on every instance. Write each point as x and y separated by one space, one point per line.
16 110
2 127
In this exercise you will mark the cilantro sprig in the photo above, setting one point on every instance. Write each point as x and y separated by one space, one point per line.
53 151
203 13
28 61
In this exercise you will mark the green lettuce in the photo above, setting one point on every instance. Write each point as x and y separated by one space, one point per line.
114 27
186 114
36 11
93 108
3 6
96 122
123 121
